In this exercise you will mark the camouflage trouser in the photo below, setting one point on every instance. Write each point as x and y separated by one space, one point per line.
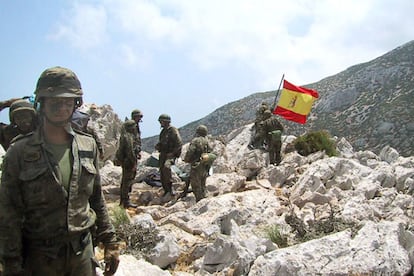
257 138
128 175
66 263
165 172
198 176
274 149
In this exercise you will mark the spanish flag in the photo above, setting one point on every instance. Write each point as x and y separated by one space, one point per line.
295 102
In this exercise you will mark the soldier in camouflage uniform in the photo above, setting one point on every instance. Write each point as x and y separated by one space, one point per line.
258 138
22 120
272 131
169 146
199 170
137 115
50 192
128 154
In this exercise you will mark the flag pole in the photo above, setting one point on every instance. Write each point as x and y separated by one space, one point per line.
277 92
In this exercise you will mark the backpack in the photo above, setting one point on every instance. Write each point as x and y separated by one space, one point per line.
276 135
207 159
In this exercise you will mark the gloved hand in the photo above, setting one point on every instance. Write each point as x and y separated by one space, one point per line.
111 258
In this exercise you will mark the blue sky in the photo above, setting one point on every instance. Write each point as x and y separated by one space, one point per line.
187 58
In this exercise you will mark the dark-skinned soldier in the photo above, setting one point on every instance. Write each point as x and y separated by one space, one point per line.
23 120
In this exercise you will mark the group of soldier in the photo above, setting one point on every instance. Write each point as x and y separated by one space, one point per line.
52 209
267 135
169 147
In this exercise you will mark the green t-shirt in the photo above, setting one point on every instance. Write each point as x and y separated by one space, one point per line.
61 152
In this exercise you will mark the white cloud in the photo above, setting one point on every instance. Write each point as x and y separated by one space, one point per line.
84 27
306 39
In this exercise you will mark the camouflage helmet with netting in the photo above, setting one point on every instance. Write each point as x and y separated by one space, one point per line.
58 82
20 105
164 117
136 112
202 130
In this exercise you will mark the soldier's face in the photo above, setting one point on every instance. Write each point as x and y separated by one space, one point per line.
24 120
137 118
164 123
59 109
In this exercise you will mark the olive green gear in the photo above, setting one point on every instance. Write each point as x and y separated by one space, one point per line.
20 105
202 130
136 112
58 82
164 117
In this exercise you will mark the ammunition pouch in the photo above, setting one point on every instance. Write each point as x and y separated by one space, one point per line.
276 135
207 159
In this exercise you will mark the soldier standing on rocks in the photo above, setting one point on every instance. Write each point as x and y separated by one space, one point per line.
197 155
128 154
272 131
258 138
169 146
50 192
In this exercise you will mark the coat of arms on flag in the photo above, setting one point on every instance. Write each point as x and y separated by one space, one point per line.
295 102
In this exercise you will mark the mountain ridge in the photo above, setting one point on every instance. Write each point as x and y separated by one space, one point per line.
370 104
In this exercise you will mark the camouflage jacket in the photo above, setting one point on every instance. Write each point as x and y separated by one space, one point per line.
269 125
34 205
170 141
7 133
198 146
128 149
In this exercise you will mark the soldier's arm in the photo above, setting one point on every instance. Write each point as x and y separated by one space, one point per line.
11 214
97 140
177 142
105 231
188 158
4 104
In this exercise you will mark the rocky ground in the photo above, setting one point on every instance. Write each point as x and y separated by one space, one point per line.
351 214
317 215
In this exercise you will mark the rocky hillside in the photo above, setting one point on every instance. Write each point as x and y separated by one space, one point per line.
352 214
317 215
370 104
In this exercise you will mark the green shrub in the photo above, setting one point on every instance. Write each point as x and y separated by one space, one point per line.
276 235
139 240
118 216
315 141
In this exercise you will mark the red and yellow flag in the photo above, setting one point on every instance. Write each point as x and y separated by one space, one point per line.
295 102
